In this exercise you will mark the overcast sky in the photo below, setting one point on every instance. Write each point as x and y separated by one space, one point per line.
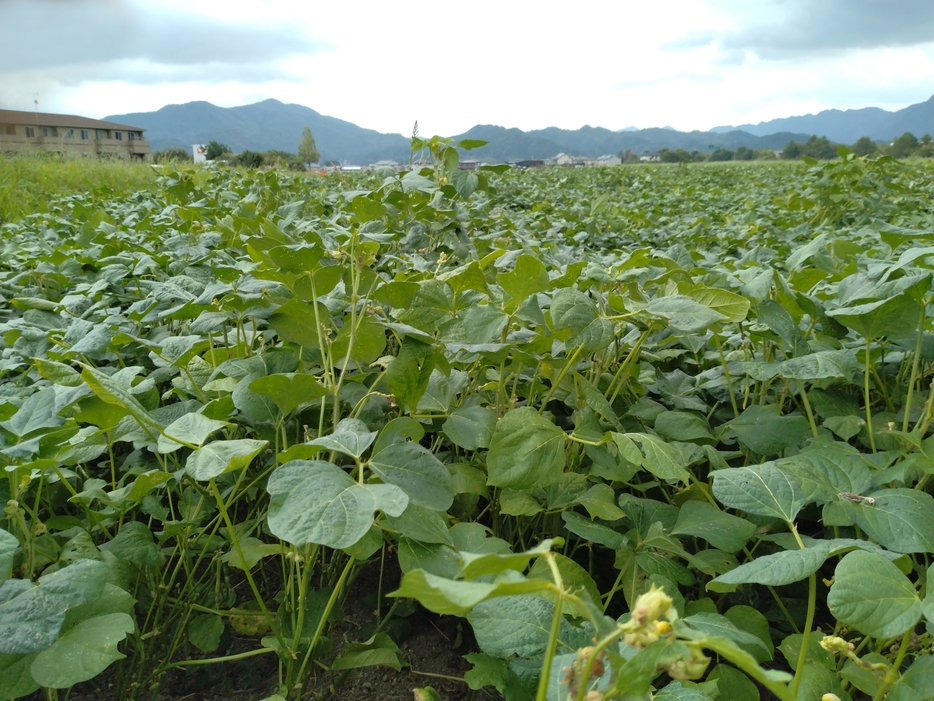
690 64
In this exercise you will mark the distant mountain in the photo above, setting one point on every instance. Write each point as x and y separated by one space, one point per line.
262 126
629 129
846 126
274 125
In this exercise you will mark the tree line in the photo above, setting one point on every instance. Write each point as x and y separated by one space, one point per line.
303 159
819 147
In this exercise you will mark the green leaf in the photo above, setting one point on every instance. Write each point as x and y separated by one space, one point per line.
897 317
379 650
253 550
763 490
465 182
721 530
899 519
714 624
781 323
664 460
316 502
204 632
191 429
826 471
288 390
528 277
83 652
9 546
426 693
256 407
916 683
421 524
368 342
870 594
683 426
15 678
676 691
295 321
409 372
134 543
39 411
414 469
351 437
518 626
448 596
764 430
600 502
470 427
731 306
594 532
222 456
821 365
114 393
526 451
683 313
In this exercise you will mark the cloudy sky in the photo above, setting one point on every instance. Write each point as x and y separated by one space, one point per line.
690 64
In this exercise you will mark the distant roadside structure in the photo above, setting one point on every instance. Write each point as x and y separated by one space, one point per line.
650 157
199 153
30 132
608 160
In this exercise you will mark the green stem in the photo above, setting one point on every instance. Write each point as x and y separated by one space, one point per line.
892 674
915 366
556 620
747 663
726 375
228 658
808 623
560 378
807 408
872 436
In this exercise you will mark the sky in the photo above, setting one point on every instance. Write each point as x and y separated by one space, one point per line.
689 64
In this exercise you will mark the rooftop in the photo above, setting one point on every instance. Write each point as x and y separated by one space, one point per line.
46 119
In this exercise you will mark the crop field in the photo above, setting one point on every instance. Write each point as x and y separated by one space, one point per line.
626 433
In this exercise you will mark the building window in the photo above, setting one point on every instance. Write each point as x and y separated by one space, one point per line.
30 133
98 133
10 129
131 135
49 131
84 134
70 134
118 135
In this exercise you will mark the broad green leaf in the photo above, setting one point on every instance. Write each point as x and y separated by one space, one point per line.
256 407
408 374
731 306
15 678
600 502
520 626
421 524
288 390
351 437
9 546
253 550
777 569
721 530
897 317
916 683
783 325
479 564
470 427
753 621
899 519
683 313
763 490
871 594
219 457
527 277
295 321
368 342
379 650
204 632
683 426
191 429
714 624
676 691
592 531
417 472
134 543
764 430
316 502
37 412
664 460
823 472
83 652
526 451
114 393
821 365
453 597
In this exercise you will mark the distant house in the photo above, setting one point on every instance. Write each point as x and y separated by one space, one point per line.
530 163
386 164
608 160
65 133
563 159
650 157
468 165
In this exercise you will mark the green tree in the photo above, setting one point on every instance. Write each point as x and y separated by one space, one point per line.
215 150
744 153
168 155
248 159
819 147
864 146
307 151
792 150
904 145
722 154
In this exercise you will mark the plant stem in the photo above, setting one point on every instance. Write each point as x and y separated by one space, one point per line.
872 436
556 620
892 674
808 623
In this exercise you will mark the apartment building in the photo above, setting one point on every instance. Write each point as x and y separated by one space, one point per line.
65 133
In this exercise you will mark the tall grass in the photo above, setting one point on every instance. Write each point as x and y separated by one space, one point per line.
28 182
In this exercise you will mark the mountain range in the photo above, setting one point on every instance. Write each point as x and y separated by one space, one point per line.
846 126
275 125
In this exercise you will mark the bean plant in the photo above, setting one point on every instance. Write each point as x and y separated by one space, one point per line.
651 432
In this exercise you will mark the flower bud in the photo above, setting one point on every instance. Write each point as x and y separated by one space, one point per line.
832 643
651 606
